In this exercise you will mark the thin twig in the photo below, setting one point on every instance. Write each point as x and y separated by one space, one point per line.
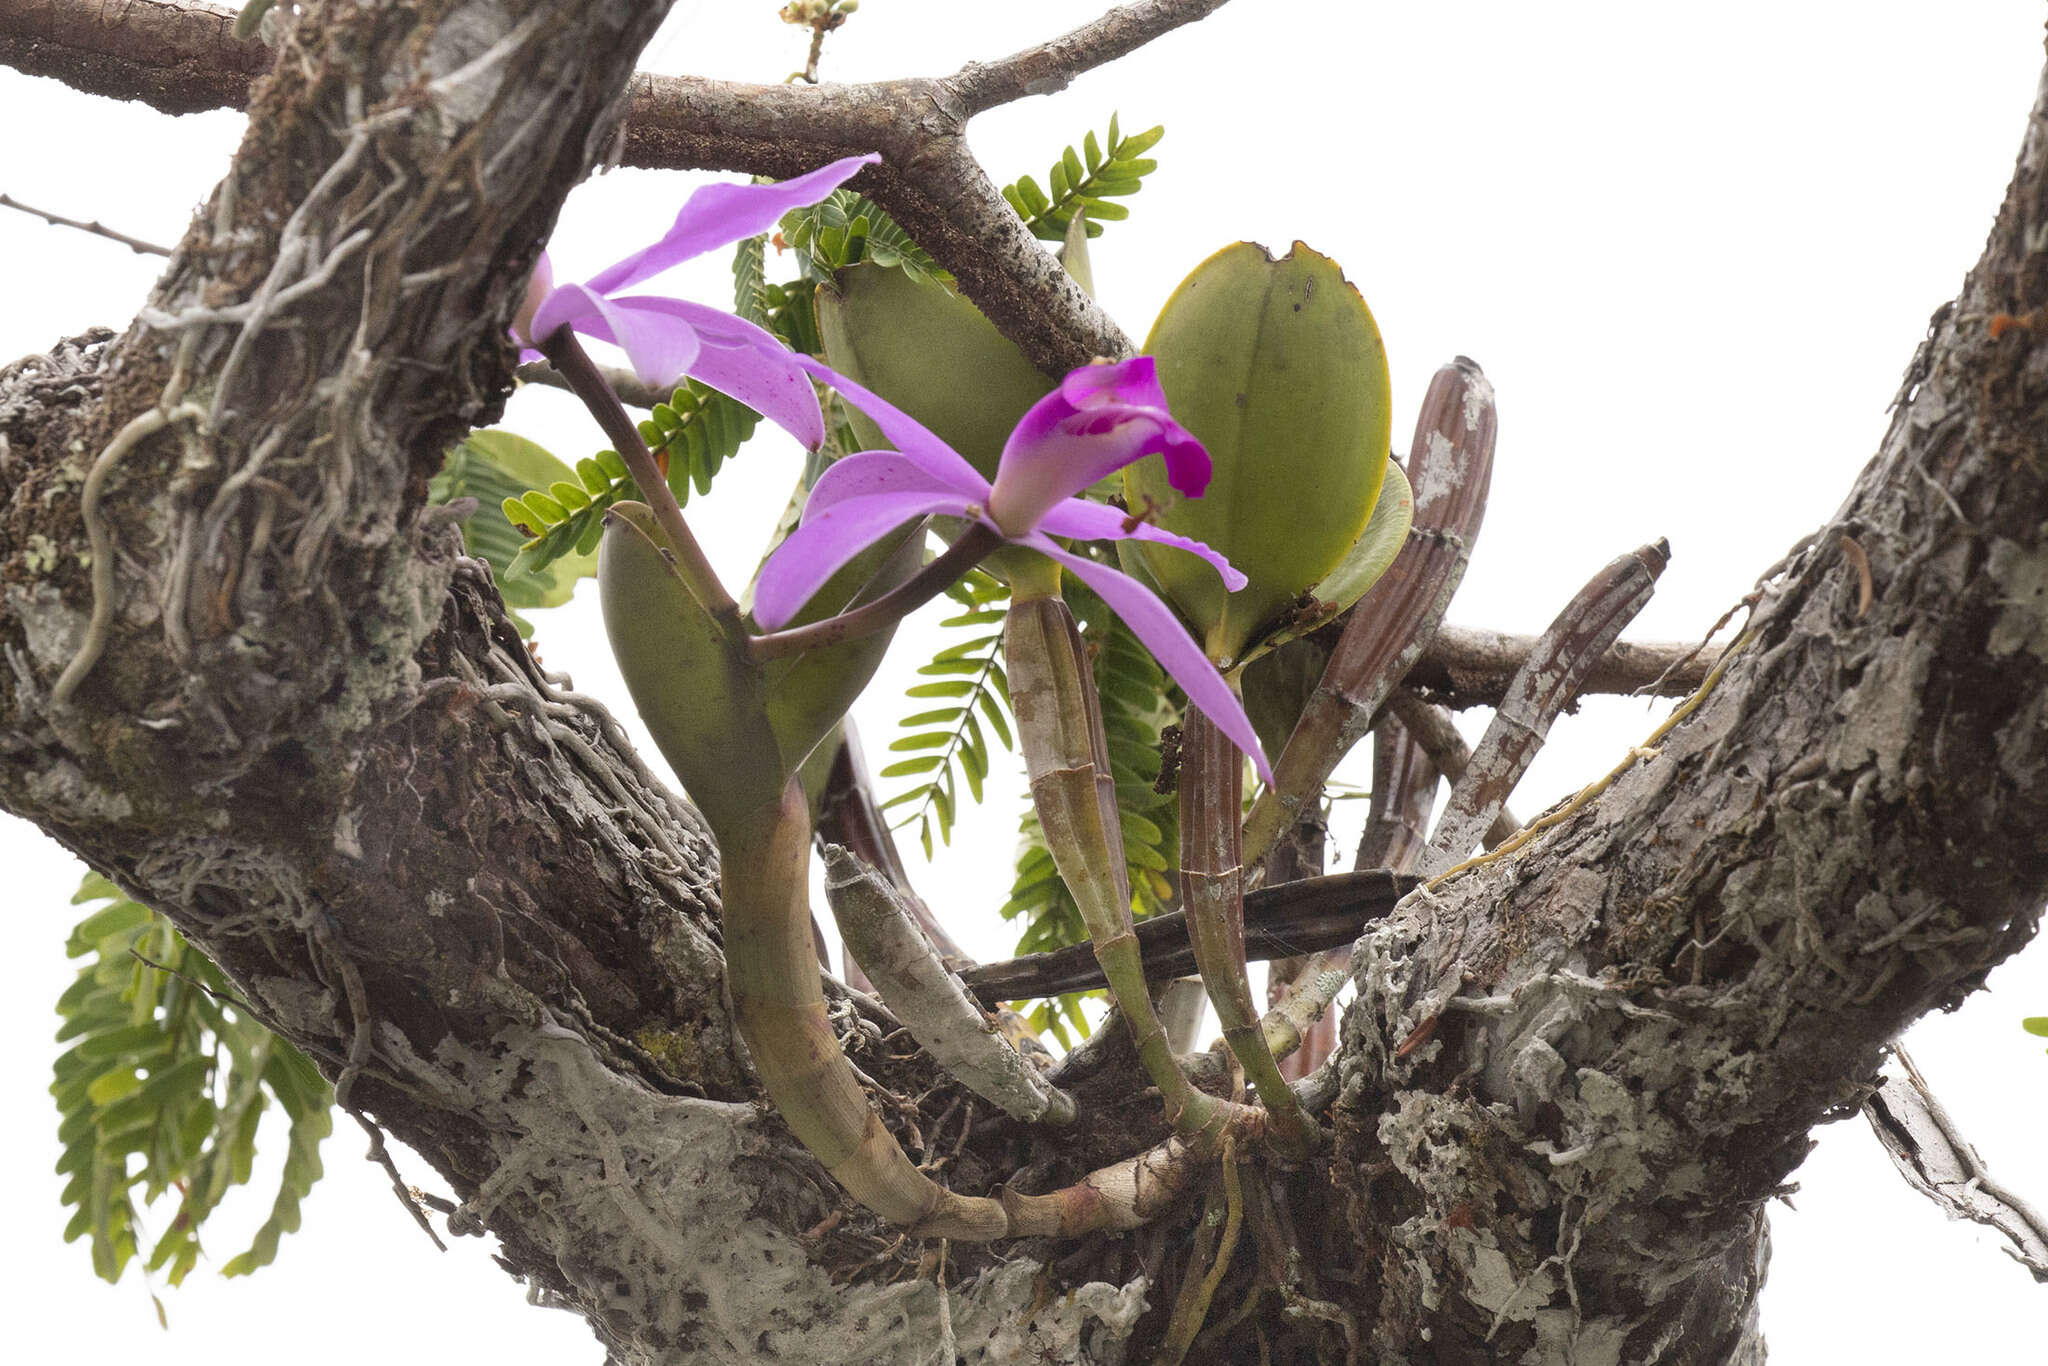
95 227
381 1155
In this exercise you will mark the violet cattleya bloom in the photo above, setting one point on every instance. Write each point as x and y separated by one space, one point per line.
1100 419
665 339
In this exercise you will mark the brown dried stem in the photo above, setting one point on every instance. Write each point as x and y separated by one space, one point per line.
1432 728
1212 885
1546 685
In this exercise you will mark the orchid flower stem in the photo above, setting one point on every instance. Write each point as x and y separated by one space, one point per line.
1059 721
971 549
1212 886
568 357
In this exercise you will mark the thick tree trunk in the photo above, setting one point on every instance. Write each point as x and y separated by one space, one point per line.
302 727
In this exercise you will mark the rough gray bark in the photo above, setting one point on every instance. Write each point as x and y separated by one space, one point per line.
1637 1022
309 735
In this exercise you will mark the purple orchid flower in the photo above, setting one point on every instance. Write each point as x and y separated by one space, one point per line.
1100 419
665 339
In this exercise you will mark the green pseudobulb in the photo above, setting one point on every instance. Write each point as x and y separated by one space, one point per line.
732 729
1277 366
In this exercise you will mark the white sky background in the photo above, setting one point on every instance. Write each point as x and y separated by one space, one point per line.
1694 249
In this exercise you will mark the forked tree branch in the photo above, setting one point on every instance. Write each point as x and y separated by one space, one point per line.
180 57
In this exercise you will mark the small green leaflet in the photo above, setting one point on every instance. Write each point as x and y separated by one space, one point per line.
843 230
554 516
498 468
1086 182
945 736
749 280
161 1095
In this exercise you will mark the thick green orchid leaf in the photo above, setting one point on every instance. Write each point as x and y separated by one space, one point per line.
733 729
1370 555
808 694
703 701
1277 366
932 354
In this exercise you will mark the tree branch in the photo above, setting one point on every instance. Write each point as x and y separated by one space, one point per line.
1281 921
175 58
1572 1077
1468 666
1637 1020
930 182
1916 1132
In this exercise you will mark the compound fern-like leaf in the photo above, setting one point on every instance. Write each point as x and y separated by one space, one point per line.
695 432
1086 182
845 229
947 738
162 1093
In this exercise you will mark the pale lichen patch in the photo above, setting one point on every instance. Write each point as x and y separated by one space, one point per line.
1882 709
2021 573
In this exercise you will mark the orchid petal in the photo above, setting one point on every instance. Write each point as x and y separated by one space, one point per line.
1134 381
819 548
1042 467
867 473
744 362
661 348
909 436
539 285
723 213
1160 631
1084 521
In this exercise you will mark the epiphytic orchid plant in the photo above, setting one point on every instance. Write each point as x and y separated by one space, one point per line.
737 706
